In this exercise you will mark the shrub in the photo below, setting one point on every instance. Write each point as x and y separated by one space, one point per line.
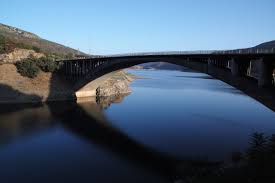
69 56
47 65
2 44
36 49
27 68
23 46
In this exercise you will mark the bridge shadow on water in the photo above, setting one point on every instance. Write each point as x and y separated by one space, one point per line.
87 122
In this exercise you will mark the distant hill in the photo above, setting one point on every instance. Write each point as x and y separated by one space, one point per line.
266 45
261 47
11 38
160 66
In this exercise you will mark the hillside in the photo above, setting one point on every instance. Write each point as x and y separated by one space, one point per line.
159 66
11 38
266 45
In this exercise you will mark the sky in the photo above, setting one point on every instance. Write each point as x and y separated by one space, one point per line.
130 26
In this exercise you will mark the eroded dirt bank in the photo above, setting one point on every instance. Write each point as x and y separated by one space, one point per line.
15 88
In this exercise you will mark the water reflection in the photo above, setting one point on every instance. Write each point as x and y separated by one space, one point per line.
171 113
105 102
191 137
196 77
22 120
87 122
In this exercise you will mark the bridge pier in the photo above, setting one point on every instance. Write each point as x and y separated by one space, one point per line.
235 68
239 67
265 73
209 62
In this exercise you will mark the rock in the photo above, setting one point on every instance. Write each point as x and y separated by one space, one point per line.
115 86
105 102
19 54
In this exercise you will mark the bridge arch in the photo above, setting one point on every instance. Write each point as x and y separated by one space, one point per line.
85 86
87 74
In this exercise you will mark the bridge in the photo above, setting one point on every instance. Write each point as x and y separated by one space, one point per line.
86 74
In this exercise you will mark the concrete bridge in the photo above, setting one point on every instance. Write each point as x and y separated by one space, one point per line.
87 74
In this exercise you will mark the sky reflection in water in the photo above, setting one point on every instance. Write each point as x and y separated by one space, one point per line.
170 115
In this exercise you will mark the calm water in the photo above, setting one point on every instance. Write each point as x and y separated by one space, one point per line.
171 118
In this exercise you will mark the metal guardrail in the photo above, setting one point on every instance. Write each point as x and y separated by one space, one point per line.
206 52
248 51
200 52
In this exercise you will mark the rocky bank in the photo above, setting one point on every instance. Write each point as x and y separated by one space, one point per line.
15 88
117 85
19 54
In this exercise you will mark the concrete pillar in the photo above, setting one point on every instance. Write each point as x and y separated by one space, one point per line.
83 68
209 62
77 69
265 73
71 68
235 68
65 66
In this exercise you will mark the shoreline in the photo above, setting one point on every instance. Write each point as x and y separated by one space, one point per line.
46 87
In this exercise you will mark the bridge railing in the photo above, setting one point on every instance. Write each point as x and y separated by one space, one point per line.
199 52
248 51
157 53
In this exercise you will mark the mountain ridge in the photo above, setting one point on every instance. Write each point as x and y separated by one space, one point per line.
12 37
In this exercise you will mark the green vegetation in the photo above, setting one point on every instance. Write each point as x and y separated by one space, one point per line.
47 64
69 56
36 49
7 45
2 44
30 67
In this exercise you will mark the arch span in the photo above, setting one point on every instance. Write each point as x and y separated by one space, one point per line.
87 74
85 86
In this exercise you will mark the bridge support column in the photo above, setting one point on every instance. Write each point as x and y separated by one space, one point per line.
209 62
235 68
239 66
71 69
265 73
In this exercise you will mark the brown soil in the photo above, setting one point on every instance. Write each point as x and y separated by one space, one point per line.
16 88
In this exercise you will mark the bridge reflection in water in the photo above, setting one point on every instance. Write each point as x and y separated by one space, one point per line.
86 121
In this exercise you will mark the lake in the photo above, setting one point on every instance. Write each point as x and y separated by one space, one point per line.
170 119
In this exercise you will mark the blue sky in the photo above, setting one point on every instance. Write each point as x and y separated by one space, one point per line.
123 26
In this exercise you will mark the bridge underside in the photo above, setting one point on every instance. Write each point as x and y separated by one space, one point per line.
241 72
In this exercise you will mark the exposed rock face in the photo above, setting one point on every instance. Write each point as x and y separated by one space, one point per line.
115 86
19 54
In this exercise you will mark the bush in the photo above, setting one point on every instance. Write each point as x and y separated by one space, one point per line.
2 44
27 68
23 46
30 67
47 65
36 49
